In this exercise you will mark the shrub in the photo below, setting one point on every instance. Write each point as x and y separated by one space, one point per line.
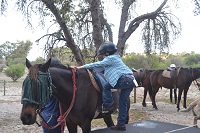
15 71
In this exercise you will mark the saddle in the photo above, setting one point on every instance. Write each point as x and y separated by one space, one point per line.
97 78
95 75
172 74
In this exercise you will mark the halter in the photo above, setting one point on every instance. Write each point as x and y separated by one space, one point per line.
37 91
62 117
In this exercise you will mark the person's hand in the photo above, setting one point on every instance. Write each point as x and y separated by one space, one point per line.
77 67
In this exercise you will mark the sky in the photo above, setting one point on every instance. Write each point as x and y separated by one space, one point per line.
13 28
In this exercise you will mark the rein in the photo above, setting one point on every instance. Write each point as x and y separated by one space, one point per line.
62 117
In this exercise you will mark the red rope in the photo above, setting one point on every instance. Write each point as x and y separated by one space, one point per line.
62 117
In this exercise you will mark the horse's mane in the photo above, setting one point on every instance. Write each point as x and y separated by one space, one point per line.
61 66
34 70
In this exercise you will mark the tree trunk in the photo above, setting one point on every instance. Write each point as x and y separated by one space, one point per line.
69 40
96 22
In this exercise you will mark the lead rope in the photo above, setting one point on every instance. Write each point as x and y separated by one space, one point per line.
62 117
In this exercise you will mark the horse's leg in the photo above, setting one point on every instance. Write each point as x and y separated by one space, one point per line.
144 98
179 98
185 97
171 95
153 99
195 120
72 128
108 120
86 126
175 95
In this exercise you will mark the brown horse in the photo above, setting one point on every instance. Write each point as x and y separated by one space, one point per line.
183 80
79 100
142 77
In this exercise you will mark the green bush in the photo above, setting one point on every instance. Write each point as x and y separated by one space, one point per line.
15 71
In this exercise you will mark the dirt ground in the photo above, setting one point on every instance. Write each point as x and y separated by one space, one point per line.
10 108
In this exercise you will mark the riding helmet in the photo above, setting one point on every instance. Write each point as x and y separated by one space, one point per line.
107 47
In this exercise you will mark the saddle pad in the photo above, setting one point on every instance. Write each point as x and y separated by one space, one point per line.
166 74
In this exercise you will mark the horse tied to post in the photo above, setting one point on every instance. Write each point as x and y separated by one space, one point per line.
181 79
78 98
142 77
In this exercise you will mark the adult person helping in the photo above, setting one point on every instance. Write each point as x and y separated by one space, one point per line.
51 110
119 76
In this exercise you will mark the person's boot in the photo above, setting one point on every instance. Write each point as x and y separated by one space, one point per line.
118 127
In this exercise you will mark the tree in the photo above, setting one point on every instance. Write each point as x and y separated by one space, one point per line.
15 71
197 7
83 24
15 53
6 49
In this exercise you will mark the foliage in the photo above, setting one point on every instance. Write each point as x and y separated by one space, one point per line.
15 71
159 38
138 61
162 61
83 25
197 7
178 59
21 50
38 60
6 49
15 53
192 59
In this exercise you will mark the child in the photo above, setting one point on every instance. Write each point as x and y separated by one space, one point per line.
119 76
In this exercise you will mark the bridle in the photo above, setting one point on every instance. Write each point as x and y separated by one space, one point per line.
48 84
62 117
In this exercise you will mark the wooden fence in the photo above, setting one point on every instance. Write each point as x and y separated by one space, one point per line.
4 86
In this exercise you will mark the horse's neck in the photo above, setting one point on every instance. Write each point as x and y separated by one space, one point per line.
61 84
195 73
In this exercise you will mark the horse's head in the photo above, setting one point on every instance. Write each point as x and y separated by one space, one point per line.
36 91
139 75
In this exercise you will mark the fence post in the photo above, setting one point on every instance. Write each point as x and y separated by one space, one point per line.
134 95
4 87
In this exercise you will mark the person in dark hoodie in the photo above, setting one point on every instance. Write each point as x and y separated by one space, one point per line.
51 110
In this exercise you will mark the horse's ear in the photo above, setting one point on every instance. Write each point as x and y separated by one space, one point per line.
28 63
47 64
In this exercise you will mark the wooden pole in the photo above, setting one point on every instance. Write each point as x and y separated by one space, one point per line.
134 95
4 87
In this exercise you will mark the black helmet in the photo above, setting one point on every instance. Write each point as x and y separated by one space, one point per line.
107 47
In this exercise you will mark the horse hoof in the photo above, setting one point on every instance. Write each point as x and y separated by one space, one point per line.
144 105
155 108
195 126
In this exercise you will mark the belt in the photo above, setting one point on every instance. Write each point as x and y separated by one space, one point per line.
128 75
